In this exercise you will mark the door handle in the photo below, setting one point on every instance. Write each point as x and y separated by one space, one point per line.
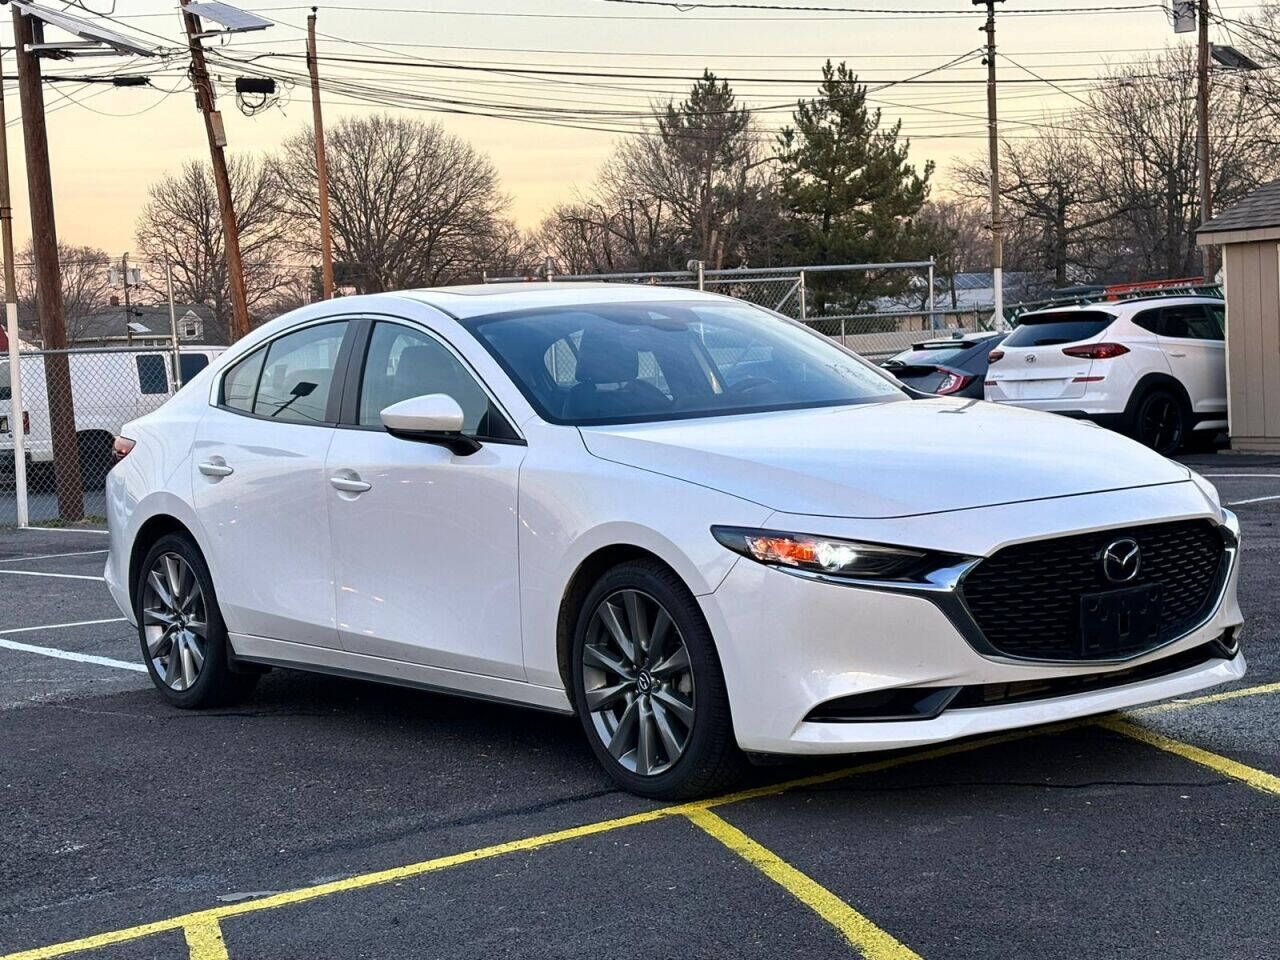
213 468
1176 353
349 484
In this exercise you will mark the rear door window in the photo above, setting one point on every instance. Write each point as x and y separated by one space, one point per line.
298 374
240 383
1046 329
1191 321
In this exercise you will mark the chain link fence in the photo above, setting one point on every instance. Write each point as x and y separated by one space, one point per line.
73 404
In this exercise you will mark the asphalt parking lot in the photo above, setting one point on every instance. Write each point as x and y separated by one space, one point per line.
328 818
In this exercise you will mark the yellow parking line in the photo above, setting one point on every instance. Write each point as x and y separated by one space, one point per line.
1259 779
376 878
204 940
210 917
1210 698
863 935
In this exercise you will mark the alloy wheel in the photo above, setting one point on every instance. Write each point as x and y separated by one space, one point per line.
1161 427
638 682
174 621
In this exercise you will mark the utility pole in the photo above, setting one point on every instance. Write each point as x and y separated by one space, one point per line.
16 424
322 165
217 142
27 30
1202 131
993 149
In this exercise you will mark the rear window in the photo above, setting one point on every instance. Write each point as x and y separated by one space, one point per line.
1046 329
926 356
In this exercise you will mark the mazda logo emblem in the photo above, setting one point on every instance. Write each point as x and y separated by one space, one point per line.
1121 560
1030 358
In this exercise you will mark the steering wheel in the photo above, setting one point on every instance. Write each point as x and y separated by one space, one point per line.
748 384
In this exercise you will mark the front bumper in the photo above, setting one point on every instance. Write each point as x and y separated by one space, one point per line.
789 644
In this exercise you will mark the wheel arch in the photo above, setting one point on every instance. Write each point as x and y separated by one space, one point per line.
590 569
1157 381
152 529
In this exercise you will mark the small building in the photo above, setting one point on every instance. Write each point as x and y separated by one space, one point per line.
1249 234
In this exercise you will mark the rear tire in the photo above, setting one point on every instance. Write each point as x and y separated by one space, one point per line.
1160 421
648 687
184 641
96 459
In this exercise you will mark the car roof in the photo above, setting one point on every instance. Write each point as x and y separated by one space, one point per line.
1120 307
484 298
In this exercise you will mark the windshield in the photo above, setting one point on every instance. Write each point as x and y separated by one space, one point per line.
636 362
1043 329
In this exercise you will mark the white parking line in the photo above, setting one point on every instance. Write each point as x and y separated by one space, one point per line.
68 655
1236 503
51 556
41 573
60 626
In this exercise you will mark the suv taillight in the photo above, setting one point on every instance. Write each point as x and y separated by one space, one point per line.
120 448
1097 351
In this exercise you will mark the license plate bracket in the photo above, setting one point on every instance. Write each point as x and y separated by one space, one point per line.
1119 621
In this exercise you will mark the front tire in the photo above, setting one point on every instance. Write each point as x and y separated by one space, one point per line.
184 641
648 686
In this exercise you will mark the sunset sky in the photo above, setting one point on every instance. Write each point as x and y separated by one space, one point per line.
108 144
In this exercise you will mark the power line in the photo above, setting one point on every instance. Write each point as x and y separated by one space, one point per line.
686 5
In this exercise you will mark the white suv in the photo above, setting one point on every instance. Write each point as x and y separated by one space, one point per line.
1154 368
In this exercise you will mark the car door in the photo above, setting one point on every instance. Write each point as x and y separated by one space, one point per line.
259 485
424 540
1191 336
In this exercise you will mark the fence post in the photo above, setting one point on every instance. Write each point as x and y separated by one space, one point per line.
804 306
701 269
173 326
16 424
549 268
933 317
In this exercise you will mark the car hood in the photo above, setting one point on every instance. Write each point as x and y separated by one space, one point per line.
893 459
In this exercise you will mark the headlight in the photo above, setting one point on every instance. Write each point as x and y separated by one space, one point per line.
827 555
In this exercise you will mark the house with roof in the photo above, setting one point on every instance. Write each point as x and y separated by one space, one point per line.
146 325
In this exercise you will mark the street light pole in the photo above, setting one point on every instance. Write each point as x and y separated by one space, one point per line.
16 424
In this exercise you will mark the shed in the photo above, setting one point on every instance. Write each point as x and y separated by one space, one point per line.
1249 233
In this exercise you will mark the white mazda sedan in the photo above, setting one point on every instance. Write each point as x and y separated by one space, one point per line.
706 530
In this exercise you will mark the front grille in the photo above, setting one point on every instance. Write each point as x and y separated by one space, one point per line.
1026 598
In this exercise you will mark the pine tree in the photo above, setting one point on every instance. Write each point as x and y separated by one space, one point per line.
849 192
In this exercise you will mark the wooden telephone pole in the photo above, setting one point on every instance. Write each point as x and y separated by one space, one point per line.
217 143
1202 131
993 150
28 30
322 165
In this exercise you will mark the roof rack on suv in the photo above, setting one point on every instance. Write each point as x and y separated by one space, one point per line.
1144 290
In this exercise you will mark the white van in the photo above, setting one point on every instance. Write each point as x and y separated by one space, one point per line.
108 388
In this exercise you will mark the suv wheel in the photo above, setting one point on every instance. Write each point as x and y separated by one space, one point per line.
1160 422
648 686
184 641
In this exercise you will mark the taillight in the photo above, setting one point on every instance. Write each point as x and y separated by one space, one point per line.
1097 351
120 448
953 381
994 355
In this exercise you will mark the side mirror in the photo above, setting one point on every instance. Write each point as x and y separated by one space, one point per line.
434 418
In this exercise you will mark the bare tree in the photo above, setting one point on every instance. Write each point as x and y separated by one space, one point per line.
181 222
1054 192
1144 123
411 205
956 229
86 286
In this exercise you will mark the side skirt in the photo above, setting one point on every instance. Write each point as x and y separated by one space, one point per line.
359 666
